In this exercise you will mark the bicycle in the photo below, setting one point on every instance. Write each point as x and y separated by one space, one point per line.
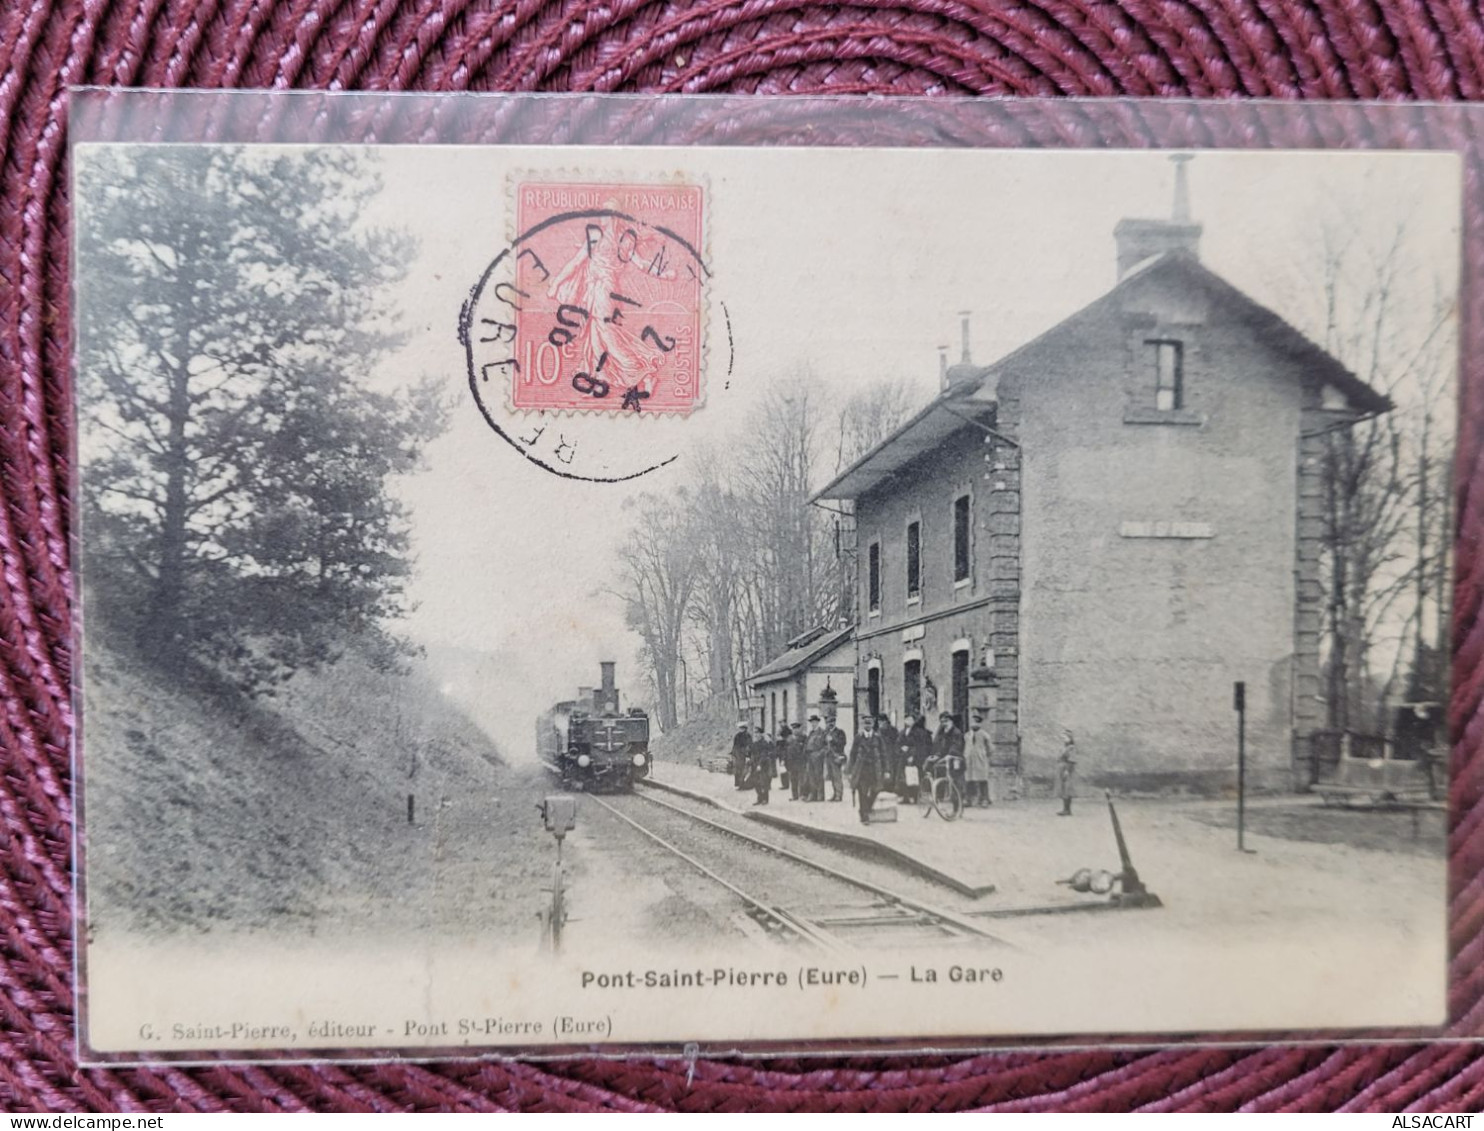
939 791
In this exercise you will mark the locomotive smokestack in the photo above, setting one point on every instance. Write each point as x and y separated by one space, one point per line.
608 696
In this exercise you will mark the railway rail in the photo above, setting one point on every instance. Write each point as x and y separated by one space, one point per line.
790 897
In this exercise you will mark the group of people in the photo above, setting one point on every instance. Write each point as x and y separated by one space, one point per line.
810 759
880 760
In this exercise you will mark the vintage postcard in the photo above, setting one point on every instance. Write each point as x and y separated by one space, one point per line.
538 598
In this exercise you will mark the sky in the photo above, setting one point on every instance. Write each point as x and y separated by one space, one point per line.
850 265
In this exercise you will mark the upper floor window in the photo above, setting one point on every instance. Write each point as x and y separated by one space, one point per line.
1169 376
961 538
914 560
873 578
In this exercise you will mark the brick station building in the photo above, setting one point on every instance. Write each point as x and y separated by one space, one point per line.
1120 519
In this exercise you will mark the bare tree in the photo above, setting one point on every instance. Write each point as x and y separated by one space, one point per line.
658 576
794 563
1388 508
718 580
720 548
867 417
870 415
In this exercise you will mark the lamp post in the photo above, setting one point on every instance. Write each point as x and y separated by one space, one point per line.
829 702
984 691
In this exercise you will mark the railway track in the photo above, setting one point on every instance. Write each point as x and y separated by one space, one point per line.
788 897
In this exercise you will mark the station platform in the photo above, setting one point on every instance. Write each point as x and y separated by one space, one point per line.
1014 851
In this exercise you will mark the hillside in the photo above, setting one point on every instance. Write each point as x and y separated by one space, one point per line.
706 735
205 811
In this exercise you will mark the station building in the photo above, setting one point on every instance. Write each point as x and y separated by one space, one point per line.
1106 529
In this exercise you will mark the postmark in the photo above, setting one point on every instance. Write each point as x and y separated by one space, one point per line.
594 315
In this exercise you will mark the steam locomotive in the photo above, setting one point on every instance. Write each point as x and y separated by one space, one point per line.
589 744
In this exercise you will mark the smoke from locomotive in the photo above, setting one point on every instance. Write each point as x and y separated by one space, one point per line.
590 742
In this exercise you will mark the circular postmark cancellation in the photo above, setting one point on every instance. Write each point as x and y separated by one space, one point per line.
592 318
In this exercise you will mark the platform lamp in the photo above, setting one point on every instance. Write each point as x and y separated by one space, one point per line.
984 689
829 703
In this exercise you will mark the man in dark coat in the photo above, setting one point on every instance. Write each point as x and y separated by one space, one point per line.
791 750
867 767
916 748
782 751
740 764
949 743
834 762
764 766
816 751
1066 774
891 781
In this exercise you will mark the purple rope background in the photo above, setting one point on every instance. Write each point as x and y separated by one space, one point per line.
1392 49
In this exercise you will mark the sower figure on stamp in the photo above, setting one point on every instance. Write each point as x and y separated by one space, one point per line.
835 759
867 767
1066 773
740 742
976 758
816 750
763 766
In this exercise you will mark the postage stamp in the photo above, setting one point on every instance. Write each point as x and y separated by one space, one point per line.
608 297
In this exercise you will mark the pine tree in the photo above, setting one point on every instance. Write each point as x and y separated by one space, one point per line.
236 465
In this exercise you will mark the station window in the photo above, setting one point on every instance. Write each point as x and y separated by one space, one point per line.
962 531
961 687
912 687
914 560
873 692
1169 375
873 578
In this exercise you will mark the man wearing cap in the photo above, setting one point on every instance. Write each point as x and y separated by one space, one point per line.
791 750
1066 774
763 766
816 752
976 763
834 762
867 766
740 762
948 744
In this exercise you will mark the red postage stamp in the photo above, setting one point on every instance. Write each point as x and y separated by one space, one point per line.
611 285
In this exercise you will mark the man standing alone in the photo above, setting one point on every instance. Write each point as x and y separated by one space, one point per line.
1066 773
976 757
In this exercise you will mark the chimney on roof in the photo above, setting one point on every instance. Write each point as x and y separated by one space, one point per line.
1180 214
1139 240
963 369
942 367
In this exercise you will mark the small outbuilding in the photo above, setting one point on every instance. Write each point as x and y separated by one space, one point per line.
815 673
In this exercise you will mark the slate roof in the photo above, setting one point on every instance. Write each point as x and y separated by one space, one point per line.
814 646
